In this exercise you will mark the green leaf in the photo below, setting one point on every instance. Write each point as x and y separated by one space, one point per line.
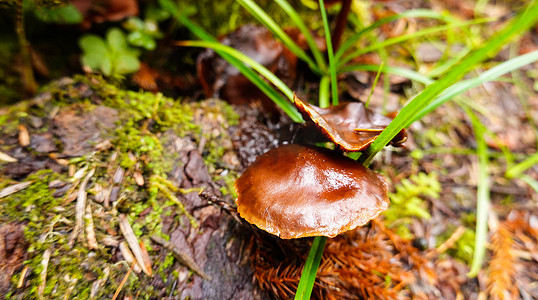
67 14
116 40
93 43
140 39
126 63
96 54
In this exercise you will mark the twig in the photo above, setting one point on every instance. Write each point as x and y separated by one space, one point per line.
132 241
123 281
70 288
458 233
90 232
7 158
99 282
15 188
128 256
181 256
23 276
43 274
80 208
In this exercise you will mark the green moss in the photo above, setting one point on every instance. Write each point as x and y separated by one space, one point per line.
407 203
463 249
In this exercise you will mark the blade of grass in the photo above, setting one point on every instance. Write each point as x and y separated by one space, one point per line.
247 72
285 105
324 92
518 169
413 75
270 24
489 75
330 53
310 269
375 83
441 69
294 16
416 13
521 23
399 39
482 194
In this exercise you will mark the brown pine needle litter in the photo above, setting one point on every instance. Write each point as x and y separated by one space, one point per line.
370 262
502 266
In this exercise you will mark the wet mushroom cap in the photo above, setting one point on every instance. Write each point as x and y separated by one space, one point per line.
350 125
295 191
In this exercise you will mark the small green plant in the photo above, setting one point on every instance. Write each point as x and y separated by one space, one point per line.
142 33
408 203
112 56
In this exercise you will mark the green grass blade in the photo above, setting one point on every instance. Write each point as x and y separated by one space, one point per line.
447 65
297 20
482 195
489 75
520 24
413 75
285 105
310 269
171 7
270 24
375 83
415 13
330 53
406 37
518 169
324 91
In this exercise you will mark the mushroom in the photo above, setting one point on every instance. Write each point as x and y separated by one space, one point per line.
296 191
350 125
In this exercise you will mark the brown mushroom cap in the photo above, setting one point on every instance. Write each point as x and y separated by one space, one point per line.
295 191
349 125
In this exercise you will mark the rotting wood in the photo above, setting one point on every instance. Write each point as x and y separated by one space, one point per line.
181 256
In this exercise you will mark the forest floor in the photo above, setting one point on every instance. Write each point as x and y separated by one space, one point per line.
107 192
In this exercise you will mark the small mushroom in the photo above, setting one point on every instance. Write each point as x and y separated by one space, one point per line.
295 191
350 125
